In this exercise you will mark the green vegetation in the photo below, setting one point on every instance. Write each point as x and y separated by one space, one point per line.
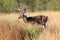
7 5
54 5
31 5
32 32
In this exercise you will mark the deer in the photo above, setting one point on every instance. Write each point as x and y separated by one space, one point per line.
39 19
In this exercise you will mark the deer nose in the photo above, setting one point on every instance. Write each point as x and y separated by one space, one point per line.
19 18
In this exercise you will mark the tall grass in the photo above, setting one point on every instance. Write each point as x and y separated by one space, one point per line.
13 29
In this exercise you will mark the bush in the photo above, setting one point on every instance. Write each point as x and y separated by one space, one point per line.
7 5
32 32
54 5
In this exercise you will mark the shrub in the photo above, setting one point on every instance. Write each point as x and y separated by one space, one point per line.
7 5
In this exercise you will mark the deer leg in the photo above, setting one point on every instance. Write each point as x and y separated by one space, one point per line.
44 25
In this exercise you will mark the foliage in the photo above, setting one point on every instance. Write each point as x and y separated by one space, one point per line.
7 5
31 5
54 5
32 31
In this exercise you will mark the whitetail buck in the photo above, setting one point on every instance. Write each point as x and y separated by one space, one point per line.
40 19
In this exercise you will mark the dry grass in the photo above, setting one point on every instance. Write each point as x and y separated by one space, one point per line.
12 29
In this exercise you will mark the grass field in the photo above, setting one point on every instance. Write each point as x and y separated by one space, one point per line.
12 28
